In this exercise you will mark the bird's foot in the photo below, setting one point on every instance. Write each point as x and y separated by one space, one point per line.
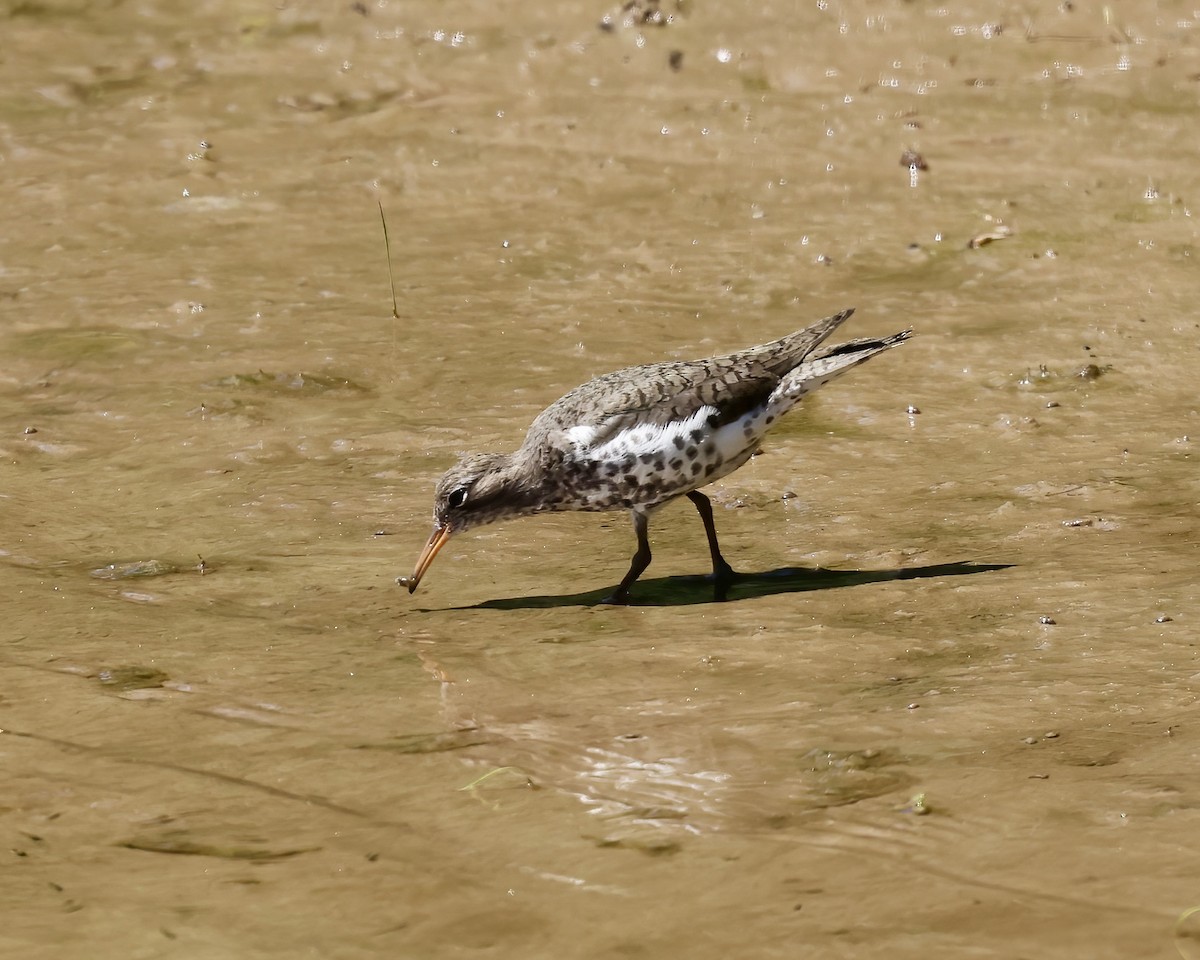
723 577
619 598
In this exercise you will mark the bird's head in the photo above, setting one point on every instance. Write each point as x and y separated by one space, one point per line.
477 490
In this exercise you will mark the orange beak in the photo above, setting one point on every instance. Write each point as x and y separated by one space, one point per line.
437 540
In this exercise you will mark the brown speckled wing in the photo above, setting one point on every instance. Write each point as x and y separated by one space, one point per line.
660 393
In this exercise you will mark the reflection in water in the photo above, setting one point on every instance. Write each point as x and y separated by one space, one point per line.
644 789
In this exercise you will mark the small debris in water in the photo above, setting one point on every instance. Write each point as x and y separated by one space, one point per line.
514 773
29 430
911 410
1047 621
1050 735
637 13
918 806
1043 373
914 706
1163 618
404 581
1030 740
1089 372
999 232
203 151
913 160
1051 404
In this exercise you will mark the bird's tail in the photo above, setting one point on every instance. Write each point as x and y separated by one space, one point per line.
821 366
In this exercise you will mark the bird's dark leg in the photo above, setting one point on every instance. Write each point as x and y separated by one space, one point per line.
641 559
723 573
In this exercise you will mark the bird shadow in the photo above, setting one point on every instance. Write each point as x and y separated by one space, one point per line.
688 590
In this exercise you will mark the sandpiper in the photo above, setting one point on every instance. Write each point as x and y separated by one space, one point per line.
640 437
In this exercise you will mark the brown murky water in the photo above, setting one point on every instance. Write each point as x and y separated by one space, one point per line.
228 733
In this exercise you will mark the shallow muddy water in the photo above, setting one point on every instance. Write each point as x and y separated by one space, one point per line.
955 715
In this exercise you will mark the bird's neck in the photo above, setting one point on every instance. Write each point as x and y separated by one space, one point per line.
531 485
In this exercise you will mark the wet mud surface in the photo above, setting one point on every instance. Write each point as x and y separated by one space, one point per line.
950 709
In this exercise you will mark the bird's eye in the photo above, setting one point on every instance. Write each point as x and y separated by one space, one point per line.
457 497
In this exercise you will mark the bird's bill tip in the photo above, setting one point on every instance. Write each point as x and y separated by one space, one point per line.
437 540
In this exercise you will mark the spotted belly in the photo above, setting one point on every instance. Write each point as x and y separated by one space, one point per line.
648 464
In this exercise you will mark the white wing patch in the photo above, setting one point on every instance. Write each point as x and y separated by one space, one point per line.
650 438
